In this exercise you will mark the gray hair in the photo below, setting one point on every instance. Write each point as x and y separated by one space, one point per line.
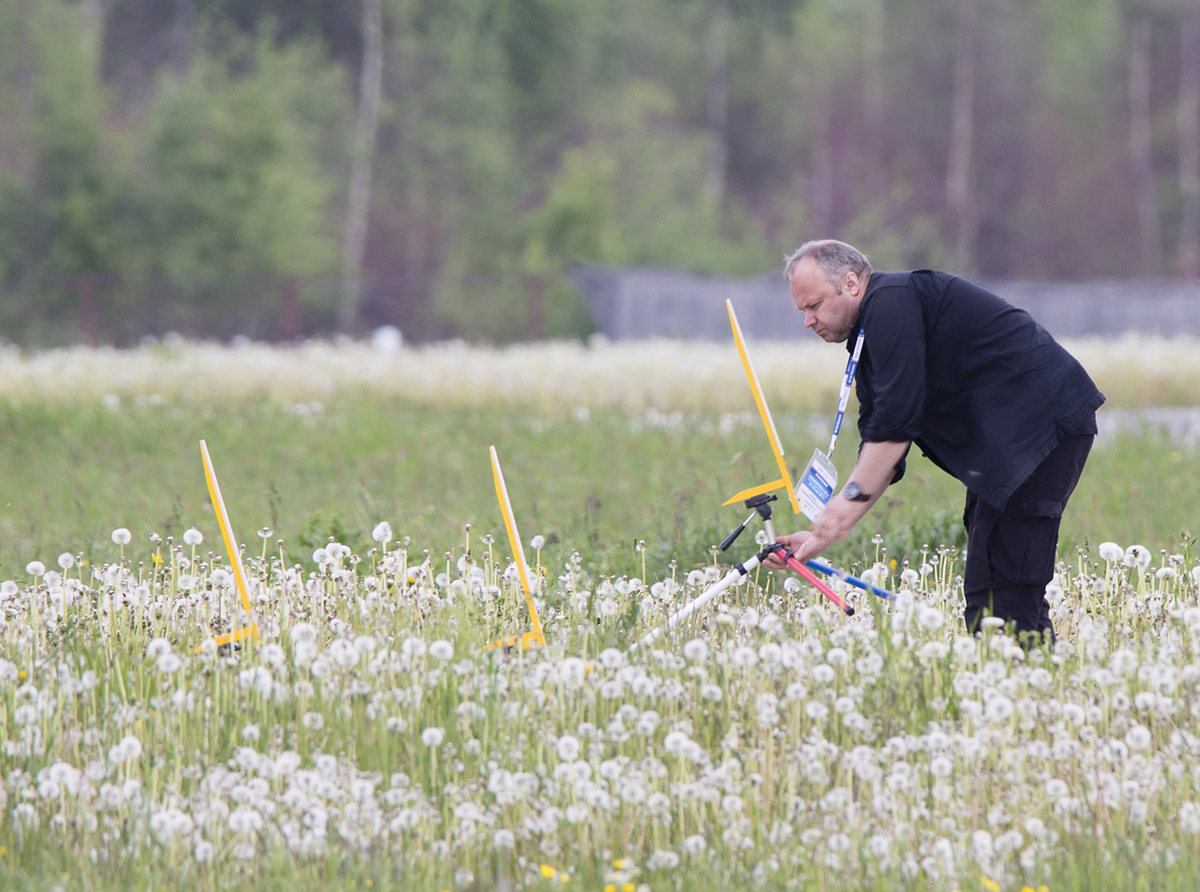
834 257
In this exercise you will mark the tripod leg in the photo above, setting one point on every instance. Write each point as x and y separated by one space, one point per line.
732 578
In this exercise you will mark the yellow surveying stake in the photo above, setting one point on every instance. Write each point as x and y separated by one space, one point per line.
529 639
764 411
231 546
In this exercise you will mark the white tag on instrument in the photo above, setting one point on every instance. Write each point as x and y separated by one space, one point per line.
816 485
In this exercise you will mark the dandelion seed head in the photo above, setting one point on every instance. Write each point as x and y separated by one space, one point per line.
35 568
192 537
382 532
433 737
611 658
442 650
711 692
313 720
122 536
303 632
568 747
66 560
744 656
696 650
930 617
1189 818
1137 556
572 672
1111 552
1138 737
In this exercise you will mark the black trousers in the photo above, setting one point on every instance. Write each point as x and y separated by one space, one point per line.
1010 552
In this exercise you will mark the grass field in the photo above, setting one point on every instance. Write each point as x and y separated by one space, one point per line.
70 473
366 742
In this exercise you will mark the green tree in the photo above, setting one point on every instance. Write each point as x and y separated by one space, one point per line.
243 171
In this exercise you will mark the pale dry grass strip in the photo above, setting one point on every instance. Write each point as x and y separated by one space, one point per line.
1135 372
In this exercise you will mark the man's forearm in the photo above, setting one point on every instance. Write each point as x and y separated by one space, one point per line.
876 466
872 474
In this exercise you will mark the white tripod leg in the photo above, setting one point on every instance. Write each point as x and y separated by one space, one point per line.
732 578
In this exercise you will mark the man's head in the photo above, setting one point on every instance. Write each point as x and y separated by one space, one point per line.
827 279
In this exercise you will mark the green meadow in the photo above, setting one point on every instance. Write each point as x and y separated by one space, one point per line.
596 482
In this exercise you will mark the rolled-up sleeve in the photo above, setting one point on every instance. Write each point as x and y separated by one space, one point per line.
892 391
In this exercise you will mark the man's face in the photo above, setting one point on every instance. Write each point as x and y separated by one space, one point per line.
830 314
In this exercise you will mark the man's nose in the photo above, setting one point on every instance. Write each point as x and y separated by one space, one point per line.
810 319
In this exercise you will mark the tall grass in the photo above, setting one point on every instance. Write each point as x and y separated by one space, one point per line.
366 741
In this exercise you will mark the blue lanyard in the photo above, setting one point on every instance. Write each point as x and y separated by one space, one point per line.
847 383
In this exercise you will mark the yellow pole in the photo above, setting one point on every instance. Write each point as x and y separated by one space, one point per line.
231 546
768 422
514 539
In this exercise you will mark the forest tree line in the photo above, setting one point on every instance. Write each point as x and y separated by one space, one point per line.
297 167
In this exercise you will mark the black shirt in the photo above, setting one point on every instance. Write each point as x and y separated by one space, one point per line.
982 389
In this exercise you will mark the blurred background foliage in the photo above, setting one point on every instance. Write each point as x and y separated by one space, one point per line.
185 164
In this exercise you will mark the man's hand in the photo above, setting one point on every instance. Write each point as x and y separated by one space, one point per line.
876 465
835 523
792 542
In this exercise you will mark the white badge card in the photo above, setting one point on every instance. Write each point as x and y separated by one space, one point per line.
816 485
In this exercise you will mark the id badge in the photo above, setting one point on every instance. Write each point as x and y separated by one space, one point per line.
816 485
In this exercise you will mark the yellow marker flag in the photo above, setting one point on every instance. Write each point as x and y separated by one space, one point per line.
231 546
764 411
514 540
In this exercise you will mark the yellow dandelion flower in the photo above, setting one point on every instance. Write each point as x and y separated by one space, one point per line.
990 884
628 887
619 863
610 888
22 675
547 871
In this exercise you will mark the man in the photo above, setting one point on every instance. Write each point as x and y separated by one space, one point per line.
986 394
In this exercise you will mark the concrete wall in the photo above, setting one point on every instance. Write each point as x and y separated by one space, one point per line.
637 303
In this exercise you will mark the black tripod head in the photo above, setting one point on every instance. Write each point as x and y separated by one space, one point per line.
760 505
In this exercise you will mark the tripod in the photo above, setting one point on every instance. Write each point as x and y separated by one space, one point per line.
760 505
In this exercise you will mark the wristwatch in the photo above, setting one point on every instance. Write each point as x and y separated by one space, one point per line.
854 493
